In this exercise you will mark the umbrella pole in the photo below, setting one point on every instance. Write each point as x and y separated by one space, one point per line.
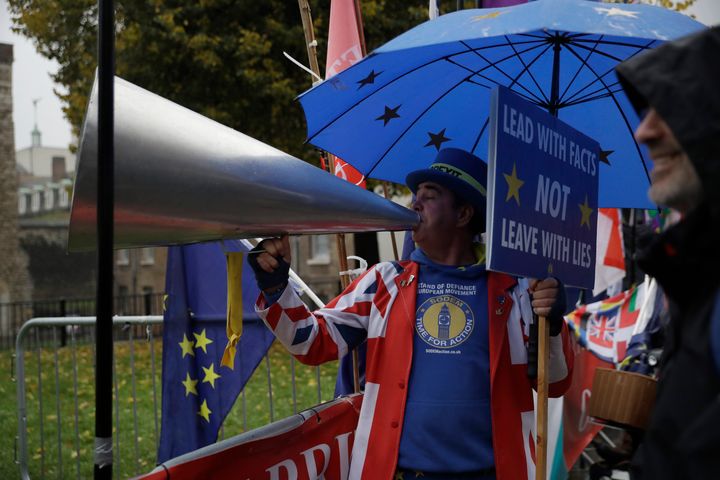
340 237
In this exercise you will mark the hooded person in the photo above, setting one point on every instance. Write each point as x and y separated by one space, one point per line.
447 393
676 90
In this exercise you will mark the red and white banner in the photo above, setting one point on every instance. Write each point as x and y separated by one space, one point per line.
313 444
344 49
578 431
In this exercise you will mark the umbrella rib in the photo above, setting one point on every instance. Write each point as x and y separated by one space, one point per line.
601 92
513 80
390 82
583 63
574 95
622 44
622 113
526 68
482 130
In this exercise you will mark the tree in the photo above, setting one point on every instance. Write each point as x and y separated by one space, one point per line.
221 58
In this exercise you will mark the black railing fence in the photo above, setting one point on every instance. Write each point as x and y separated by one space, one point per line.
13 315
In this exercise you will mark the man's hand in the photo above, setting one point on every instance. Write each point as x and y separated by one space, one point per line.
270 260
548 300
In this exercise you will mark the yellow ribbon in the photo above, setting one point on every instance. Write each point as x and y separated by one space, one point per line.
234 307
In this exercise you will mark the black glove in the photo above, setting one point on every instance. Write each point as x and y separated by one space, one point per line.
265 280
556 318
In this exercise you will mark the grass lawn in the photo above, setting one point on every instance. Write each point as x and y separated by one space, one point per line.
134 453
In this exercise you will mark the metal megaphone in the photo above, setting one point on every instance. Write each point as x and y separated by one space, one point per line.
183 178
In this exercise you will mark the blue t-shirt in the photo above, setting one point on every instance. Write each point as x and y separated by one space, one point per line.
447 426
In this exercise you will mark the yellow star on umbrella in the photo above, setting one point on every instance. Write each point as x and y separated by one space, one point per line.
585 212
514 184
190 385
187 346
201 341
477 18
205 411
210 375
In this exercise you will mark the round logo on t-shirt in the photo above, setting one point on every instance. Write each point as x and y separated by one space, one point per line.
444 321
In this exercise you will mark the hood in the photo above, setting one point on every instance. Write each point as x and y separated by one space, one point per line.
681 81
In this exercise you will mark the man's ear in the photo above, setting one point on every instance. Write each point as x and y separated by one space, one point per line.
465 214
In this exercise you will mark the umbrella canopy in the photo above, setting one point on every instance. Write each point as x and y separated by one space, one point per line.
430 87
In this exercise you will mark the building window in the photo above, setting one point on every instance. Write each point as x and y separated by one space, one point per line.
147 256
122 257
64 193
319 250
50 194
36 201
147 290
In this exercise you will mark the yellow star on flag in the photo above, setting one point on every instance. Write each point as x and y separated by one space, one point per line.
514 184
201 341
164 302
210 375
205 411
585 212
399 476
477 18
187 346
190 385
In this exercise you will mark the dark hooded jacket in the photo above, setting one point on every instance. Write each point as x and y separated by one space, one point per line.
681 81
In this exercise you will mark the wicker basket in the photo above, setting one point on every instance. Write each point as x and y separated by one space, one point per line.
623 398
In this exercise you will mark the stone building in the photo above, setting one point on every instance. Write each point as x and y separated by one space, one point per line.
14 279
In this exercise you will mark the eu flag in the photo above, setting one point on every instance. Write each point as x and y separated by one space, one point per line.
198 392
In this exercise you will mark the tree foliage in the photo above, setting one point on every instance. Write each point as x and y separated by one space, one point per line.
221 58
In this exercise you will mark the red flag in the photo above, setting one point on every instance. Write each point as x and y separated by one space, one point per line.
344 49
610 259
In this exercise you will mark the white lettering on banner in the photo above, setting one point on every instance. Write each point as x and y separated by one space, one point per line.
344 449
517 125
518 236
581 254
555 247
289 467
556 145
556 194
551 142
309 455
311 465
583 159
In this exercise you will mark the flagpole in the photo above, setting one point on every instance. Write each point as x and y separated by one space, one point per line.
363 50
311 43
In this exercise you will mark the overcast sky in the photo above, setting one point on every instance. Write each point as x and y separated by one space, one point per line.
31 80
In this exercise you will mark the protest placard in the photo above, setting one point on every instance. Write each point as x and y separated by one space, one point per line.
542 194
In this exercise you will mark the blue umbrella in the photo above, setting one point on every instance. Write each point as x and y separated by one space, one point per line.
430 87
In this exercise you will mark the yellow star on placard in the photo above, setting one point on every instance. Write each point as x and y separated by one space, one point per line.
514 184
477 18
187 346
210 375
201 341
205 411
190 385
585 212
550 269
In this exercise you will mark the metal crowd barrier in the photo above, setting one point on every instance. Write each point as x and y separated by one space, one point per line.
73 327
